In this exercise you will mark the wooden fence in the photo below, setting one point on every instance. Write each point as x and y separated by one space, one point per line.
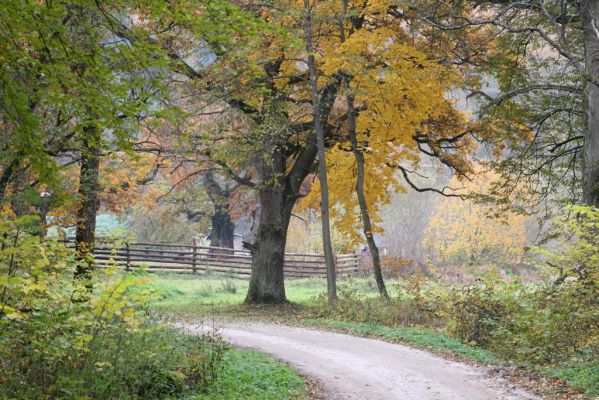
201 259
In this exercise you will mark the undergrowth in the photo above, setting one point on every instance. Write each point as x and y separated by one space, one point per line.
60 340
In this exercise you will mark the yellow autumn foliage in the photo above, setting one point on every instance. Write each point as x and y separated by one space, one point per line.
400 92
463 231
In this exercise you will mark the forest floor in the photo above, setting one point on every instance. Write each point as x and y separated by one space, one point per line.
351 367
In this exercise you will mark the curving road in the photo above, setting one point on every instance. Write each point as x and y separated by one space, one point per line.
350 367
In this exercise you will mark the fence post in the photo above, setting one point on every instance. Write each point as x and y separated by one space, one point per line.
335 263
193 260
128 262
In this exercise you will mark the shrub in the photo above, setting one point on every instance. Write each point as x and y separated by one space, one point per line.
103 347
474 313
549 324
554 321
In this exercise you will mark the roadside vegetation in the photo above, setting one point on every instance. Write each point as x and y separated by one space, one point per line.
442 320
549 326
255 376
59 340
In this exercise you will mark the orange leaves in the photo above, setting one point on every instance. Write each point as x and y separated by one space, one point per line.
123 181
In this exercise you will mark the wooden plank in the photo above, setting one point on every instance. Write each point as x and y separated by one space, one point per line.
203 268
148 252
227 256
160 245
187 260
349 255
240 274
305 254
307 262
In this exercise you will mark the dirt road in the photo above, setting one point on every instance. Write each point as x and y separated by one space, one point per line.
351 367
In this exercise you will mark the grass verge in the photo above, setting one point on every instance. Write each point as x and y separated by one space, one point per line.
581 374
420 337
252 375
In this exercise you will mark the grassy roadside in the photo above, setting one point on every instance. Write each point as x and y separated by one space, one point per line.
419 337
254 376
192 298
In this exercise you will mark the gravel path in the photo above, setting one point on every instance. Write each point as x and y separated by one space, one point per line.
350 367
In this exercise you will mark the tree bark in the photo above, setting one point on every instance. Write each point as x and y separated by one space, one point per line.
268 251
374 250
222 233
589 10
85 234
223 229
322 168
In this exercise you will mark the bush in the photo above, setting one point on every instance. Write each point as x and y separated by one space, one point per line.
549 324
474 313
559 319
102 346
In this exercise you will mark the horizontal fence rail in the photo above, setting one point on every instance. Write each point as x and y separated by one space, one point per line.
204 259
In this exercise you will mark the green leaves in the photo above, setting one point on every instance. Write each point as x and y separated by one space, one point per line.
105 347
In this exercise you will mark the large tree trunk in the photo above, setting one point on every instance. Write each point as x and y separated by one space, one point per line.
374 250
268 251
590 20
85 234
322 167
279 188
223 229
222 233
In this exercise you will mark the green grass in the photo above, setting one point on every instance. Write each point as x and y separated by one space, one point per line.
183 290
187 293
581 373
251 375
420 337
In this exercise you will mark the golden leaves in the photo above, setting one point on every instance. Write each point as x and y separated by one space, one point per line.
462 231
400 93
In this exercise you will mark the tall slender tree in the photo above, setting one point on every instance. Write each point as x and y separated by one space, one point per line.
322 161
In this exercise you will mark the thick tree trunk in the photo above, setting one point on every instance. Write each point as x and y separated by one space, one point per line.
223 229
255 223
268 251
322 168
222 233
590 20
86 217
279 188
374 250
